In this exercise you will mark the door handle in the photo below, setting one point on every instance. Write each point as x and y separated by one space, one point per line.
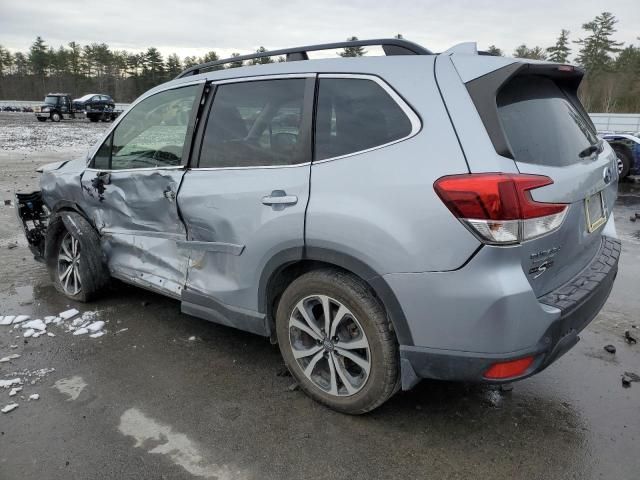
279 198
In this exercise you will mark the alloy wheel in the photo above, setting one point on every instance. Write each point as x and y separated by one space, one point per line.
68 265
329 345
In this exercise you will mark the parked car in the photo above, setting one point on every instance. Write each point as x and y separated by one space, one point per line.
383 219
627 148
96 106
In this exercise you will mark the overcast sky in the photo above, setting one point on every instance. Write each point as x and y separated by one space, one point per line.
190 27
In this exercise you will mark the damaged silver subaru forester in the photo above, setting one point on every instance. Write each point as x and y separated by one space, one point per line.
384 219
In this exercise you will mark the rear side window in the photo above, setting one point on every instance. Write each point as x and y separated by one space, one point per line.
356 114
256 123
541 124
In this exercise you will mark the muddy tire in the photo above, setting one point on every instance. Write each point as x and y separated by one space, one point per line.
349 363
74 257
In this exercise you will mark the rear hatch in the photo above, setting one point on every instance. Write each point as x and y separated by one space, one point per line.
537 120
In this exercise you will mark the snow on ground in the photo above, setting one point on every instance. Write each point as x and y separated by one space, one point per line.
23 132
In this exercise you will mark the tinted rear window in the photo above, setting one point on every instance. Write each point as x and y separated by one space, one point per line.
542 125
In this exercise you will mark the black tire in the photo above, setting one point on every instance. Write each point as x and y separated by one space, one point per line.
382 381
92 118
55 117
91 266
624 160
42 119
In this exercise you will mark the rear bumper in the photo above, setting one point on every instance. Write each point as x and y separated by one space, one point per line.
578 302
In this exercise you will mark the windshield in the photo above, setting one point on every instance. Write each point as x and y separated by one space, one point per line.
84 98
50 100
542 126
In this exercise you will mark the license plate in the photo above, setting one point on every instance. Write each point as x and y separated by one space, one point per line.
596 211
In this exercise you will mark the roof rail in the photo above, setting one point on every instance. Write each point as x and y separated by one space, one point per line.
391 46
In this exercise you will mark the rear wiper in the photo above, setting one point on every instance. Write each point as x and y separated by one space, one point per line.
591 149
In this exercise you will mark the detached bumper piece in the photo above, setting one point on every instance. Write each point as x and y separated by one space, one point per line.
34 217
579 301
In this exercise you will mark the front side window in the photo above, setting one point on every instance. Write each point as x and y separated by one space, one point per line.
153 133
256 123
355 114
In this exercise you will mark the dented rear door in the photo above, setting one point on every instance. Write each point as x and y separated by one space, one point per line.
131 185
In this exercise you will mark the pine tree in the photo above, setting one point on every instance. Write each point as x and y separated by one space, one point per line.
6 61
261 60
352 51
174 65
560 51
598 47
235 64
39 57
493 50
535 53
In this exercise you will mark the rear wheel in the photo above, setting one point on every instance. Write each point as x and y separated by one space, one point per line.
42 119
623 160
337 342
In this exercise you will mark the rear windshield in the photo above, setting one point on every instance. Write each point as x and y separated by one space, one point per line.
542 126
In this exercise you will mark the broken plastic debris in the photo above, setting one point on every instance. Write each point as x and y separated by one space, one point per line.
49 318
8 320
67 314
34 396
21 318
35 324
29 333
10 382
610 348
97 335
8 358
8 408
14 391
77 322
631 340
81 331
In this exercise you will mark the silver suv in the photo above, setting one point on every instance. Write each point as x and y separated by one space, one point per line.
383 219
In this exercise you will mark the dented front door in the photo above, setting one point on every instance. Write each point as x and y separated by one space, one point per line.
131 185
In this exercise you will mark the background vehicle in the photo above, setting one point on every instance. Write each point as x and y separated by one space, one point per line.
627 148
459 226
57 106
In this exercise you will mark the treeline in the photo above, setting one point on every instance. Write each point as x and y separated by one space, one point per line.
612 83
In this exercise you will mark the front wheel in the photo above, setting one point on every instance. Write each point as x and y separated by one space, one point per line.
623 160
337 342
42 119
74 257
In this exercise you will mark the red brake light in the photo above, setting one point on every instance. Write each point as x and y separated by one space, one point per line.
510 369
498 205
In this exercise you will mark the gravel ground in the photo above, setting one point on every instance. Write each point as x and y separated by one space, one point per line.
165 395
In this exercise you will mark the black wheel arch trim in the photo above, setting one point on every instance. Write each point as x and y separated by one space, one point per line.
347 262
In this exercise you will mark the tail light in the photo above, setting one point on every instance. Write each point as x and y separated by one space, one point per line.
509 369
498 207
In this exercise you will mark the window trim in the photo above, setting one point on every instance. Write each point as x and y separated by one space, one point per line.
306 127
189 137
414 118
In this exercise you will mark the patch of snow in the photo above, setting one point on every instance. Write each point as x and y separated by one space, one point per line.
81 331
50 318
122 330
97 335
13 346
50 334
8 320
10 407
72 386
77 322
90 315
8 358
96 326
191 339
37 334
21 318
67 314
29 333
14 391
35 324
34 396
9 383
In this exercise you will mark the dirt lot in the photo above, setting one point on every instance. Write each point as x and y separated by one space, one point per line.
165 395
